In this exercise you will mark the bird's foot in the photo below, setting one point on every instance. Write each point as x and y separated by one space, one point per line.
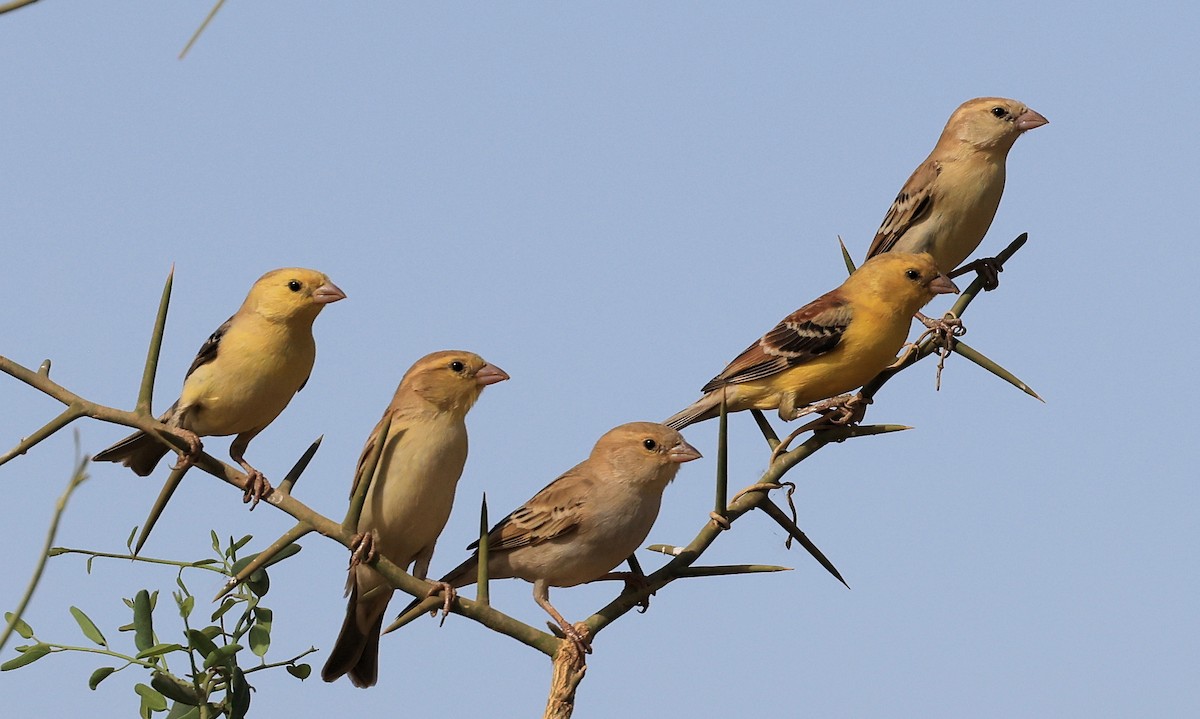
944 333
188 458
988 269
449 593
577 634
362 548
257 487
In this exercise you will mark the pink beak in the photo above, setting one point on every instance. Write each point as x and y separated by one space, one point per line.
683 452
490 374
327 293
942 285
1029 120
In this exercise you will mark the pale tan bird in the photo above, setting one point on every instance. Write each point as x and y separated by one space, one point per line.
834 344
244 375
410 494
949 202
585 523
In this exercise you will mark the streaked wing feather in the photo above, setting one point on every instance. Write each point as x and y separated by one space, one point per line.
208 350
910 207
552 512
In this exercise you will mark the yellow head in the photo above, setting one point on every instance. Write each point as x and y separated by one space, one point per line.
451 380
901 280
643 452
291 294
990 123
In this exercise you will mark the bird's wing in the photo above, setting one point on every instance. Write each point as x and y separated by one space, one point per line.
208 350
910 207
807 333
552 512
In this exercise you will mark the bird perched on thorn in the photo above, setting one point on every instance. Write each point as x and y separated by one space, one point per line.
409 494
949 201
834 344
243 376
585 523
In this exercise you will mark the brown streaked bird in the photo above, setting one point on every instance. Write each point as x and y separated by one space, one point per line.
834 344
244 375
948 203
409 496
589 520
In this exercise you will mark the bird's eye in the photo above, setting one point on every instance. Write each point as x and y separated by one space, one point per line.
650 444
912 275
295 285
457 366
999 112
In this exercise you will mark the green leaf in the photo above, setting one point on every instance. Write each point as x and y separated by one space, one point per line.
174 689
300 671
202 563
259 583
88 626
98 676
29 655
186 605
240 543
263 616
151 699
87 566
180 710
143 621
198 641
222 656
216 543
20 627
283 554
158 649
129 539
239 695
260 639
225 607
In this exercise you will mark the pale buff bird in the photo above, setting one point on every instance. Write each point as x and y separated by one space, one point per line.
244 375
589 520
410 494
831 345
949 202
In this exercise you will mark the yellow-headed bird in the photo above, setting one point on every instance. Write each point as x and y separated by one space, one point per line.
948 203
831 345
586 522
244 374
410 494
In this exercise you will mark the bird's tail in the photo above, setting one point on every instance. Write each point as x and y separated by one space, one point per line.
356 653
704 408
139 451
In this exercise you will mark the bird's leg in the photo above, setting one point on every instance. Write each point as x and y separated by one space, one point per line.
988 269
257 485
450 593
541 595
841 410
944 333
362 548
190 438
636 581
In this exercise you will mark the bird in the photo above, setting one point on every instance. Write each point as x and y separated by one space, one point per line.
243 376
409 496
948 203
834 344
582 525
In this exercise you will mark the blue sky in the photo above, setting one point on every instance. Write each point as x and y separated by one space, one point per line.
610 200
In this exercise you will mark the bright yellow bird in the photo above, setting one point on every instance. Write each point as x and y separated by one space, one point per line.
244 374
949 202
586 522
410 494
831 345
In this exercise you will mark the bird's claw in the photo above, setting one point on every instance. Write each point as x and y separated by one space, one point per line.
449 593
578 638
988 269
257 487
188 458
362 548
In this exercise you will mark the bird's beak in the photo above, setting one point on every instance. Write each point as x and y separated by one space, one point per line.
490 374
683 452
942 285
1029 120
327 293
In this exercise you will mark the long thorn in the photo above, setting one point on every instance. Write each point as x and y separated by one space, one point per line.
773 511
293 476
483 595
722 459
978 358
68 416
146 391
846 257
160 503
